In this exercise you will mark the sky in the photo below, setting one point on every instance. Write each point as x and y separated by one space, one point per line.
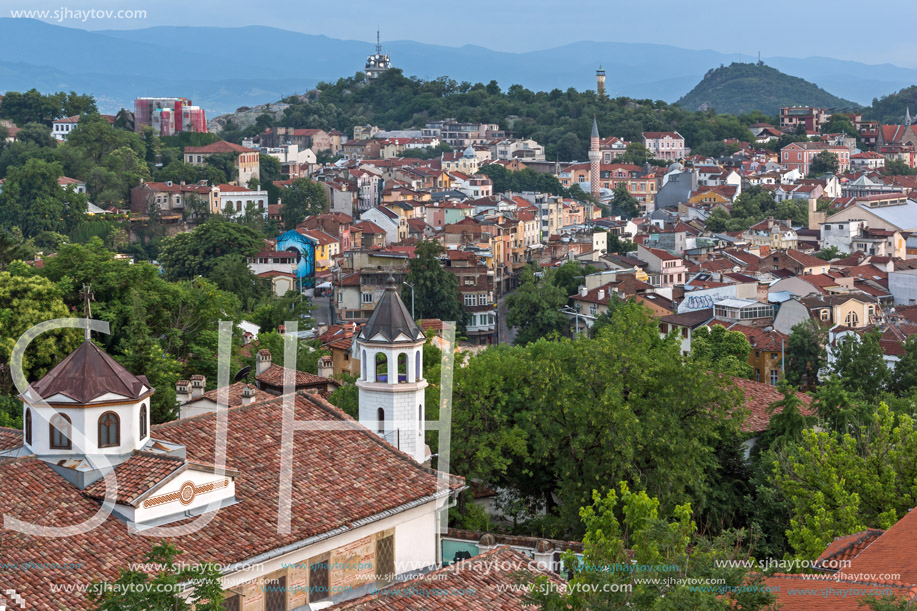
788 28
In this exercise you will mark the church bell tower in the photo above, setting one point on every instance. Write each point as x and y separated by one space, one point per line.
391 384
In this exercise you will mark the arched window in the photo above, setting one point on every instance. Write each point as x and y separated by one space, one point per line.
380 421
28 426
417 373
364 366
381 367
109 430
402 368
143 421
852 319
420 417
60 432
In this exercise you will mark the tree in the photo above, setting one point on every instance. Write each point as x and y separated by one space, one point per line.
270 168
14 248
589 412
625 528
904 376
623 203
897 167
301 199
37 133
232 274
824 163
134 589
636 153
839 124
859 362
25 302
436 291
841 484
717 221
535 308
722 350
33 201
197 253
225 164
276 311
142 354
829 254
805 353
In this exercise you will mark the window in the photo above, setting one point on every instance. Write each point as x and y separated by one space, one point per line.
366 297
380 421
419 418
109 430
275 595
775 375
852 319
757 375
469 300
684 332
823 314
60 432
385 558
402 367
318 579
143 421
417 373
231 603
28 426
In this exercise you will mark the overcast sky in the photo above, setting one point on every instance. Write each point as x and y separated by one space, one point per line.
793 28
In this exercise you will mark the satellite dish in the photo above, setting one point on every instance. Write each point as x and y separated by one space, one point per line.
242 374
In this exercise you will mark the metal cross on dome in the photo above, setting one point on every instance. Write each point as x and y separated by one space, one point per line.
87 296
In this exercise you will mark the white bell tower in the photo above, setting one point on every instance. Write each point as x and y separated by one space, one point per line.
391 384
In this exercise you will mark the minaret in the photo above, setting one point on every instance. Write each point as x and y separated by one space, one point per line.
600 81
391 384
595 156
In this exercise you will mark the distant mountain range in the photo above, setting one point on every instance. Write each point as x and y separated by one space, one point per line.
739 88
224 68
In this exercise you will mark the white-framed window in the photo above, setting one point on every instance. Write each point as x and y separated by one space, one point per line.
775 377
469 300
366 297
852 319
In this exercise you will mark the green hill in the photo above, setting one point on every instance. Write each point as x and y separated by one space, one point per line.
890 109
740 88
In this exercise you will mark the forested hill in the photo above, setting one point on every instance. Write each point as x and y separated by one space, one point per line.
741 88
891 109
561 120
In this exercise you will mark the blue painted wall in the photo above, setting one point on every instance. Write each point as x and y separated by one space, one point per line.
305 265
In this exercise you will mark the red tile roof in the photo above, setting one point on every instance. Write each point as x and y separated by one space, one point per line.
796 593
219 147
136 475
10 438
341 477
758 399
274 377
893 552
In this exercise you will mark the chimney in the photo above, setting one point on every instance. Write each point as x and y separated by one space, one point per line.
325 367
601 294
262 361
197 386
182 391
583 291
248 394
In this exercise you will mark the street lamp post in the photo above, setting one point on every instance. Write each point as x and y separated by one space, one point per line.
412 298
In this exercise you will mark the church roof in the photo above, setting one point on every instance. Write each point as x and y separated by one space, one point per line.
391 321
87 375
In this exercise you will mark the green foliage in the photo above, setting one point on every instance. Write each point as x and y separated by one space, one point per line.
739 88
754 205
301 199
590 412
904 376
436 291
841 484
33 201
626 528
25 302
722 350
225 164
33 106
830 253
135 590
824 163
898 167
14 248
232 274
623 203
275 312
859 362
347 396
890 108
560 120
534 307
840 124
188 255
805 353
522 180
